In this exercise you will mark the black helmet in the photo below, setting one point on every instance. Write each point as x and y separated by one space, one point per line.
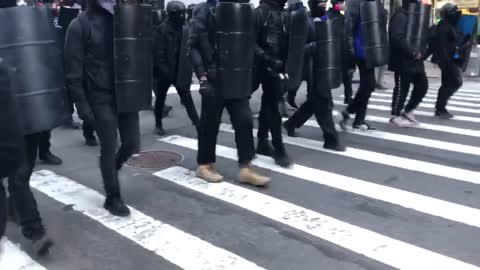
176 13
176 6
450 13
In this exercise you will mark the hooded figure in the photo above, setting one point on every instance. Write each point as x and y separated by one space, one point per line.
171 63
407 61
446 40
89 62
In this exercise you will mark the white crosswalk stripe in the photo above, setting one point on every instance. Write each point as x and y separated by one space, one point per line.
180 248
418 112
13 258
430 106
388 97
460 96
455 212
376 246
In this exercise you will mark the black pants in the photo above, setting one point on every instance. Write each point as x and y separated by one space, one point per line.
359 104
44 143
88 129
185 97
322 108
402 87
21 196
270 119
242 121
347 84
451 82
107 124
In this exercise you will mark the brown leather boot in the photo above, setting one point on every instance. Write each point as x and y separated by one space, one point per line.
207 172
249 176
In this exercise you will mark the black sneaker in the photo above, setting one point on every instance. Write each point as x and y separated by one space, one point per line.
160 131
264 148
363 127
290 130
444 114
50 159
282 159
345 119
291 100
41 246
335 147
116 207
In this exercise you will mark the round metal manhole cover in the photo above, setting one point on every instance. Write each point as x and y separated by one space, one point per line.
155 159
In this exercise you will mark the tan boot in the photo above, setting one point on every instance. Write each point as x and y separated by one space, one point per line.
249 176
208 173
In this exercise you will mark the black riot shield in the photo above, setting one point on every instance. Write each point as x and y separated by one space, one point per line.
66 16
327 60
185 68
133 57
297 37
373 25
28 47
235 46
417 26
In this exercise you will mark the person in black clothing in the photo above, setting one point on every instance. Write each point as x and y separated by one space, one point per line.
447 47
44 153
11 144
90 78
204 59
407 63
356 49
335 13
271 52
319 99
169 65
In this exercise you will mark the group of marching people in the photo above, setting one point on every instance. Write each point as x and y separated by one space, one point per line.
233 49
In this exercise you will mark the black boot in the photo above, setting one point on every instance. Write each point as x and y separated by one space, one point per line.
443 114
50 159
334 146
90 140
345 119
282 159
291 100
116 207
264 148
41 245
290 129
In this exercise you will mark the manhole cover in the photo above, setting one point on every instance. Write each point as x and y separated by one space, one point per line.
155 159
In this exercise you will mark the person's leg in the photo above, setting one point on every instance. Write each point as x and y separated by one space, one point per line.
88 130
443 91
420 88
187 101
3 210
160 96
24 203
129 129
264 147
44 153
360 102
299 118
347 86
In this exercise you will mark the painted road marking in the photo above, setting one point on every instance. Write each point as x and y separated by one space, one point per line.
389 160
454 102
174 245
430 106
381 248
421 203
13 258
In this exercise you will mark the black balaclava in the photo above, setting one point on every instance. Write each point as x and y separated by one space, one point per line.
318 8
277 4
176 13
450 14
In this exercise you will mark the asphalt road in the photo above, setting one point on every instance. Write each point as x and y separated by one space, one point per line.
397 199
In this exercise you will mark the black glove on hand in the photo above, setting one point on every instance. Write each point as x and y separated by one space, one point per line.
84 112
206 88
273 63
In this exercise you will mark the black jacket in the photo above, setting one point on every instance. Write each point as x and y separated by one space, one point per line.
167 44
201 39
11 138
444 44
402 58
89 59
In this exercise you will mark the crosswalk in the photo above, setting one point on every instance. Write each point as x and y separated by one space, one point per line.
396 199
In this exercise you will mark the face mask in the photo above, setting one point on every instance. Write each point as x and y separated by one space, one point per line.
177 18
338 7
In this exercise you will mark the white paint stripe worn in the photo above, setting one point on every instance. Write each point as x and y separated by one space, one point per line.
440 128
458 94
173 90
174 245
430 106
13 258
381 248
442 145
453 102
389 160
417 112
434 96
421 203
